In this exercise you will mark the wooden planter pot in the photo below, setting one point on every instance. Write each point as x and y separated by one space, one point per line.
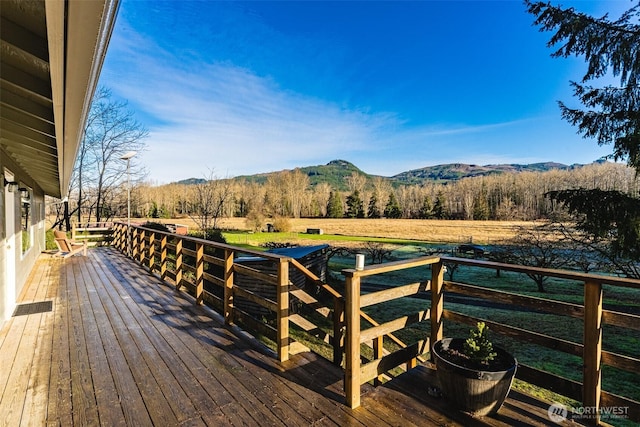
478 392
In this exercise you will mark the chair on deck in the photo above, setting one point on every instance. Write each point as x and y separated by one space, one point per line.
68 247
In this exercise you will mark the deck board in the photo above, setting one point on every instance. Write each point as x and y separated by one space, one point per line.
123 348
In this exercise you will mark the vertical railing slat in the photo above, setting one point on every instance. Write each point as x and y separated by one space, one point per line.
338 330
352 345
283 310
199 273
437 302
378 352
152 250
142 235
179 264
228 287
163 257
592 350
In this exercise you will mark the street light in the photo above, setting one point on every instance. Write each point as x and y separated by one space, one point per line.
128 157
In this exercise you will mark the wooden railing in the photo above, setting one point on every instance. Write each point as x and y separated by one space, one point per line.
191 263
94 233
591 313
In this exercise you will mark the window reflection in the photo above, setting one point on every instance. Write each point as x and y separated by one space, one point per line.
25 221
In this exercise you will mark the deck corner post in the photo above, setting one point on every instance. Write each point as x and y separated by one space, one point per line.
283 310
592 349
352 345
199 273
437 302
228 287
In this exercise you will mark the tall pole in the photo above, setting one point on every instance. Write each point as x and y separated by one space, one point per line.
128 208
128 157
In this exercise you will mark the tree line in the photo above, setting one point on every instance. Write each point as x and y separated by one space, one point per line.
507 196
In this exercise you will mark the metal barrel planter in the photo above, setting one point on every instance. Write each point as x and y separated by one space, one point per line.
477 392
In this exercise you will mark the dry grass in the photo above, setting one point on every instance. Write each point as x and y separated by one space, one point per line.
437 231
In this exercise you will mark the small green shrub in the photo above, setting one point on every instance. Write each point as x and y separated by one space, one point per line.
478 347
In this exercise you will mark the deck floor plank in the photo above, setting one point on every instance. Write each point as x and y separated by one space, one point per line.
107 398
169 316
121 347
208 349
128 393
20 355
59 410
155 402
152 349
85 406
35 407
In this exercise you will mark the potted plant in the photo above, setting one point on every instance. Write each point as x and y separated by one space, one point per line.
474 375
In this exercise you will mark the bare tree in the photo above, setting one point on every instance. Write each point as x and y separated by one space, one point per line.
208 201
110 131
541 246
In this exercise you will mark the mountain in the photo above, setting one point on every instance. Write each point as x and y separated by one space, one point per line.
456 171
335 172
192 181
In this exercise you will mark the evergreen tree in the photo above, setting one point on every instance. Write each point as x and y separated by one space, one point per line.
611 114
439 211
373 211
480 205
334 208
425 211
392 210
355 205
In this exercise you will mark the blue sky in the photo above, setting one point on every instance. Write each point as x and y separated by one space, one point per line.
248 87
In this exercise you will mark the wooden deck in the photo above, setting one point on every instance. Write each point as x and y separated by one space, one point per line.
119 347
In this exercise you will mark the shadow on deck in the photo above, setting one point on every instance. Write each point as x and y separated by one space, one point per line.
119 347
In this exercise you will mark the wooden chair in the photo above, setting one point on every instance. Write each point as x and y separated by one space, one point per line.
68 247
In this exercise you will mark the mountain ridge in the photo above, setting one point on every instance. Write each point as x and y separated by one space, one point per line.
337 170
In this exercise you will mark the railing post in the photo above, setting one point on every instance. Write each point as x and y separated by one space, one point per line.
338 330
592 349
228 287
199 273
437 302
141 239
352 347
283 310
152 249
178 264
163 257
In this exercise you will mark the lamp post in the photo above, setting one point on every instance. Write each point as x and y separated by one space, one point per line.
128 157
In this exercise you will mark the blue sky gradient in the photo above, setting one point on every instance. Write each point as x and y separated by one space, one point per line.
250 87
